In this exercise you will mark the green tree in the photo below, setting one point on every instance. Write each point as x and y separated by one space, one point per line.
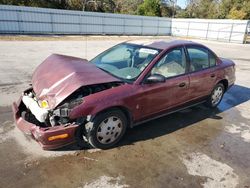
201 9
150 8
236 14
246 9
167 11
76 4
98 5
234 9
169 8
59 4
128 6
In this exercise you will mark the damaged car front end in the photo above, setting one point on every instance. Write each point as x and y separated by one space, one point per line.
38 122
44 110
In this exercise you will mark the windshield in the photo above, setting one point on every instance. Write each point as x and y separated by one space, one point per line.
125 61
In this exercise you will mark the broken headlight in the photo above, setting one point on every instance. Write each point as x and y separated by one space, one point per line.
61 115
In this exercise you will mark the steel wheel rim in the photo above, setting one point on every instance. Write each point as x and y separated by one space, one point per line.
217 95
109 130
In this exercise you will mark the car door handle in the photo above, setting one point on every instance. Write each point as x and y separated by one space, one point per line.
182 84
212 75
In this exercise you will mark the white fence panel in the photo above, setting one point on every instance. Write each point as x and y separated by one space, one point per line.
29 20
221 30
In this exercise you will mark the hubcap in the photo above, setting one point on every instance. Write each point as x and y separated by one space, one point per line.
109 130
216 96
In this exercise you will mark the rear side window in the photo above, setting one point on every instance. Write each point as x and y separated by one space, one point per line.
199 58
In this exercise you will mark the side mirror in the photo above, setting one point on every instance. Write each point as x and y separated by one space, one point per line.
155 78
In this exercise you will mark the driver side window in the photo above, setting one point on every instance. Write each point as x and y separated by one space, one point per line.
172 64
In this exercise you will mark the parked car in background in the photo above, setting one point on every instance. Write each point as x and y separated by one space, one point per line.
72 99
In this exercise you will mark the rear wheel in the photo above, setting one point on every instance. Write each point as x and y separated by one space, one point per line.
216 96
106 129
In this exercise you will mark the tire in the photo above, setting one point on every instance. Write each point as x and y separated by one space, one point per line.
106 129
216 96
81 142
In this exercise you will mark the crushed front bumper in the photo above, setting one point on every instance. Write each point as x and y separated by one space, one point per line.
43 135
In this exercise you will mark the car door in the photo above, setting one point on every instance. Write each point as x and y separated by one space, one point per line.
202 73
158 97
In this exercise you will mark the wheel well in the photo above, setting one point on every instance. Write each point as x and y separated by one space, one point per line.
225 83
122 109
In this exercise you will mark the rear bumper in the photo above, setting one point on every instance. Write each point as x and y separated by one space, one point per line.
42 134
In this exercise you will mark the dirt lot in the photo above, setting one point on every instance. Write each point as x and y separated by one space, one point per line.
193 148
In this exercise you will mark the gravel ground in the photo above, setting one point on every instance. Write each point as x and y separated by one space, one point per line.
192 148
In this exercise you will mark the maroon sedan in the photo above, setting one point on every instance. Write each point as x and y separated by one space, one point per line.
72 99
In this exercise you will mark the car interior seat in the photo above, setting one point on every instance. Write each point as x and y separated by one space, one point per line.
172 65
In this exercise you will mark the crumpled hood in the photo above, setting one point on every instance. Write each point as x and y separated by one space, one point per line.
59 76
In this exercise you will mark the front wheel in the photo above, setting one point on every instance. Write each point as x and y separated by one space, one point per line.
216 96
106 129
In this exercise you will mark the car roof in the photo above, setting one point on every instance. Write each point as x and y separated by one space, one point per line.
161 44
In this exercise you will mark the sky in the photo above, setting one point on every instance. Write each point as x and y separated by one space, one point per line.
181 3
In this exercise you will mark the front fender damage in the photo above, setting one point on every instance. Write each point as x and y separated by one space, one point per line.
54 128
